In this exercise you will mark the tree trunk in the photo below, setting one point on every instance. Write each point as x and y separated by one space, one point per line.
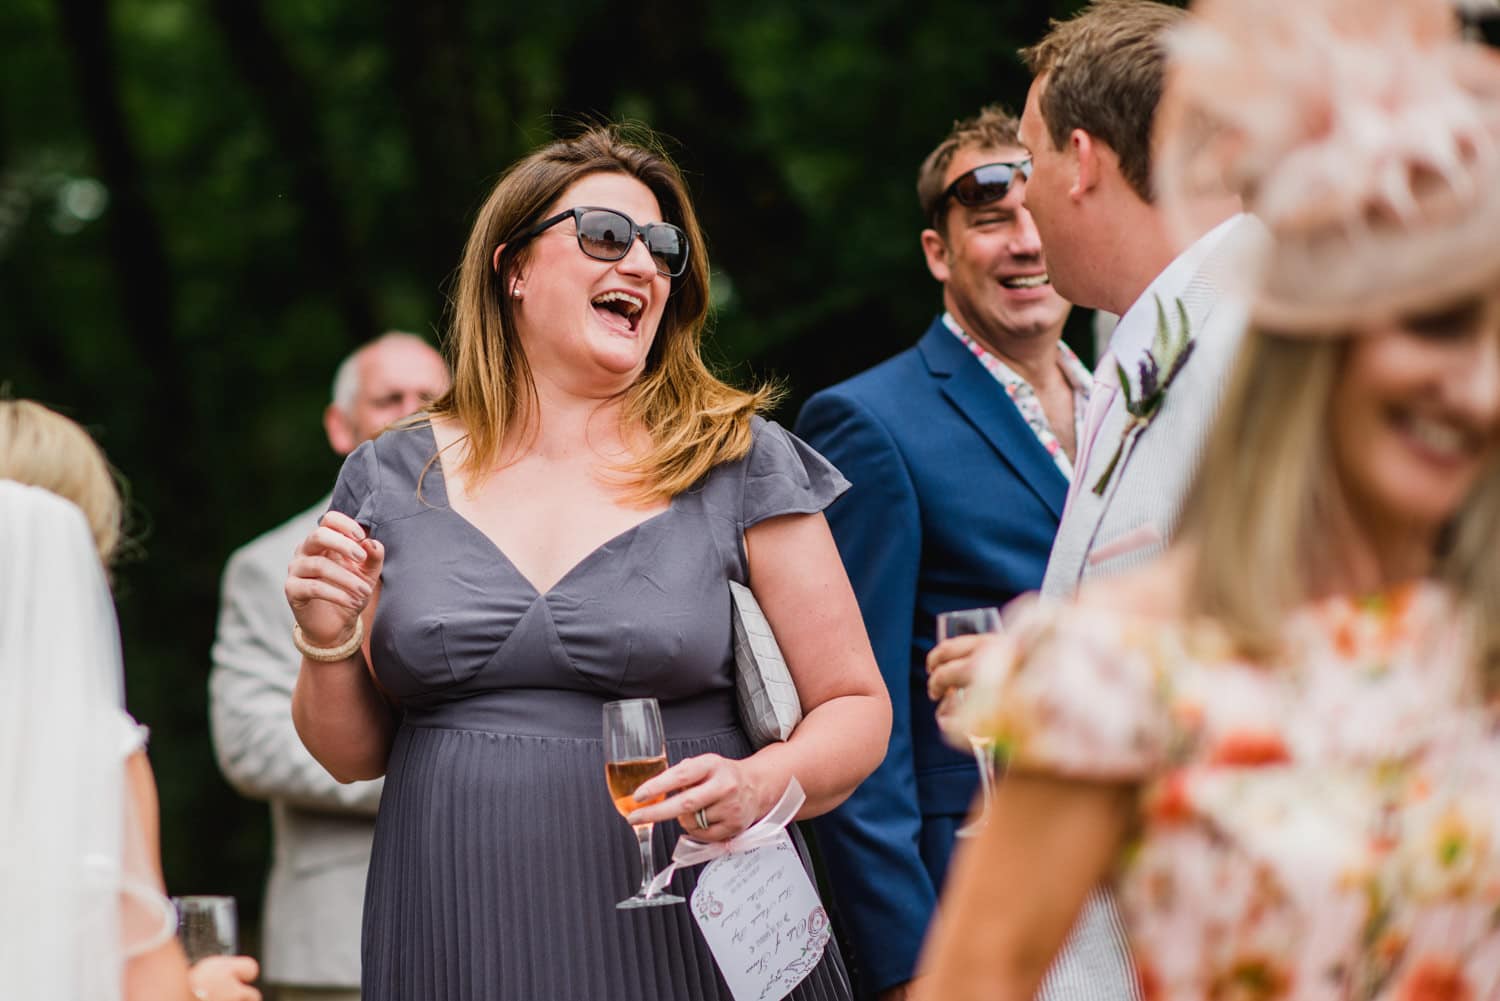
288 104
435 82
136 245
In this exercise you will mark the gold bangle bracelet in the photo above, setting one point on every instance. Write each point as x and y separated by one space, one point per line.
329 654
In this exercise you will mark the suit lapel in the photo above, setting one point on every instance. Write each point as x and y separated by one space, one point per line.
1203 294
1200 297
1087 509
985 404
1111 432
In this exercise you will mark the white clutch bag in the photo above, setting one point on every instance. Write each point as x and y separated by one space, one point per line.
768 699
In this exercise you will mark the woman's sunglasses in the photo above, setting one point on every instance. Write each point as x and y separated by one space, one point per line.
607 235
987 183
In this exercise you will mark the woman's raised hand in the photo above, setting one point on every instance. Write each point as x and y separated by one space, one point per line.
725 792
331 578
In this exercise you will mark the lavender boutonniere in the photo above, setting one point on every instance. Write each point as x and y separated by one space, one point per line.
1169 352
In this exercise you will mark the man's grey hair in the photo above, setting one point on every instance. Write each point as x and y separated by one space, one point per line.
346 379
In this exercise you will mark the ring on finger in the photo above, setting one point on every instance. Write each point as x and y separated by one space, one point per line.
701 816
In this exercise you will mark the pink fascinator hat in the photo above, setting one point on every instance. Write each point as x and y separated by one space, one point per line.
1365 136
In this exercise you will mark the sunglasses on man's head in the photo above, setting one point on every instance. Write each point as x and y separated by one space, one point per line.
986 183
607 235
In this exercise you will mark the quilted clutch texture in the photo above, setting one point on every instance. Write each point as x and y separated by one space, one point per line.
769 706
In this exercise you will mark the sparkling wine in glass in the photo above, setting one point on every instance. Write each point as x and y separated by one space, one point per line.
634 751
973 622
207 926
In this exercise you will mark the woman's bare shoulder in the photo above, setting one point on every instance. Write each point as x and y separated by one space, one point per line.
445 430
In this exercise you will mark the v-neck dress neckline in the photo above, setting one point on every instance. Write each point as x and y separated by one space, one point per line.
578 566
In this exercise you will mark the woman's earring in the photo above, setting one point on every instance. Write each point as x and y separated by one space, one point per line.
515 290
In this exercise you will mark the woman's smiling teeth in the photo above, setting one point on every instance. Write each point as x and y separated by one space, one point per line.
1438 437
618 308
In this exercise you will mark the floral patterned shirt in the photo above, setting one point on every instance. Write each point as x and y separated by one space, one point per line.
1025 398
1325 827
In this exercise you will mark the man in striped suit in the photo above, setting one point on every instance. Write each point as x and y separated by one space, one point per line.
1097 80
1088 125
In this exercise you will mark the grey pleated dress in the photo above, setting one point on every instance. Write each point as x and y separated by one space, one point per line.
498 855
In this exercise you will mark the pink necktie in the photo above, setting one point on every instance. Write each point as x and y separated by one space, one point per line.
1106 384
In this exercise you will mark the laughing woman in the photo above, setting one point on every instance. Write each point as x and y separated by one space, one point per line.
557 533
1281 746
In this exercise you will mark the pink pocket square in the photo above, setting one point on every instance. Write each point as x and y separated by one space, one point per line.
1136 538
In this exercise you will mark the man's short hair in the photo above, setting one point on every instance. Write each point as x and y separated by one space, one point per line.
346 378
1104 72
992 128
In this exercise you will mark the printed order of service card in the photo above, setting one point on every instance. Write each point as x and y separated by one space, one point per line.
762 919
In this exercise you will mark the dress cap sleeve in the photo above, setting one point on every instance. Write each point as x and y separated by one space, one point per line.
1076 692
354 493
785 475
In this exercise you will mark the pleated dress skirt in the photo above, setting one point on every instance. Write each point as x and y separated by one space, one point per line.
499 858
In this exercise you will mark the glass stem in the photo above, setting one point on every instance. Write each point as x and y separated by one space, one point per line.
986 762
648 867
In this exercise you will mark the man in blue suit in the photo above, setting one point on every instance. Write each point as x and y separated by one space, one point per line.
960 452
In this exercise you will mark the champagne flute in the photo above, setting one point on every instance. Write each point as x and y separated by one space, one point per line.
634 751
207 926
973 622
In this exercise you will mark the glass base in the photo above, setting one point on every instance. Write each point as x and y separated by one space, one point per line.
655 900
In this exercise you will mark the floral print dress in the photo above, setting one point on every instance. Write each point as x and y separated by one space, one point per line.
1327 826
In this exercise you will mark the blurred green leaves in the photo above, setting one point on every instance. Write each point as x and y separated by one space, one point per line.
185 284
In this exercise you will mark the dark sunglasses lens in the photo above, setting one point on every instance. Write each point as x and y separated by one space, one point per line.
604 235
668 246
989 183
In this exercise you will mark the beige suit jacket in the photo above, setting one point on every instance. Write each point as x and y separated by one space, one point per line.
321 828
1132 522
1129 525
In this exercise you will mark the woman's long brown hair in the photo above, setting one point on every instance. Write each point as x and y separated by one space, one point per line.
694 420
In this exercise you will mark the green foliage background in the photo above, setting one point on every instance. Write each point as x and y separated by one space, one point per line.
204 206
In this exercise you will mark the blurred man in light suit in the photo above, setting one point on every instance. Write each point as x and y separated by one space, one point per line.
321 829
959 450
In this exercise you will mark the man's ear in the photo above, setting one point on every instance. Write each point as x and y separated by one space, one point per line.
935 250
1088 166
338 429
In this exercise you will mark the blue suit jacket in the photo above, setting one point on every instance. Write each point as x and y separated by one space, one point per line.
954 505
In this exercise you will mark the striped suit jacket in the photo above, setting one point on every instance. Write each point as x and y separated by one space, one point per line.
1130 525
1133 520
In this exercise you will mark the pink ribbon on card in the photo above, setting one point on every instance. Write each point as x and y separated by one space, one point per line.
763 832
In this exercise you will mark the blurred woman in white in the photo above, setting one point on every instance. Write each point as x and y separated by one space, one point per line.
83 916
1281 745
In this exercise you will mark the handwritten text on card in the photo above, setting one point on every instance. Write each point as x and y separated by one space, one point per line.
762 920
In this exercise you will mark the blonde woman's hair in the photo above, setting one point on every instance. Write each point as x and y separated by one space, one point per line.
694 420
42 448
1258 514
